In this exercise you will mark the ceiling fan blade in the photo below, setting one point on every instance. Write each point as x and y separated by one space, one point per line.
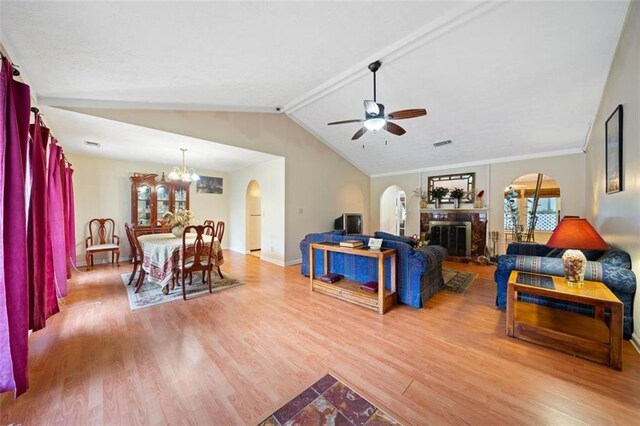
359 133
394 128
407 113
371 108
355 120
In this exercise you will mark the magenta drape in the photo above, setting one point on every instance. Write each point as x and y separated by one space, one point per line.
71 218
14 298
41 286
56 218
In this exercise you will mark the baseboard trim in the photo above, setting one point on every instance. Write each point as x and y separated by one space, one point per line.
274 261
635 342
122 261
293 262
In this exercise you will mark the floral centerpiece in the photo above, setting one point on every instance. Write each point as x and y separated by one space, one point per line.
456 194
178 221
437 193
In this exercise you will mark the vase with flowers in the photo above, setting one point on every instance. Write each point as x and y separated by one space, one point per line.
456 194
436 194
178 221
423 195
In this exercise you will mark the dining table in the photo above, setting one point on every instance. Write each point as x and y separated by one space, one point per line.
162 253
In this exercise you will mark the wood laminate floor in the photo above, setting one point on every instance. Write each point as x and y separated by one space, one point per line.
235 356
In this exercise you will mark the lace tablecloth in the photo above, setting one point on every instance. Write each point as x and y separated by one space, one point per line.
163 252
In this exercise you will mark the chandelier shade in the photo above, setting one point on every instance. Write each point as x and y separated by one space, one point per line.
183 172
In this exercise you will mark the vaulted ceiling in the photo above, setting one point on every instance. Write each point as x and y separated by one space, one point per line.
499 80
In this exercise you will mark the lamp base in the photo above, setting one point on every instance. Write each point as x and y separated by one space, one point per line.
574 264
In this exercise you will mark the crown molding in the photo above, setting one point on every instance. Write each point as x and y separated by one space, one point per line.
559 153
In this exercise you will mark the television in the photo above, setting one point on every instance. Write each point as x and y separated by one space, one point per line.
350 222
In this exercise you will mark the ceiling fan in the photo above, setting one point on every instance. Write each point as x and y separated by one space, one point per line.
374 118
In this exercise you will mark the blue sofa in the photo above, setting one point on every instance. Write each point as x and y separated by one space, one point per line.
611 267
419 269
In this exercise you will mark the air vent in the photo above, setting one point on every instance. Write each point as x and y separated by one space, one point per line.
441 143
92 144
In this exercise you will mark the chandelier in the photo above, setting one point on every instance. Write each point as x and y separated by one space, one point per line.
183 173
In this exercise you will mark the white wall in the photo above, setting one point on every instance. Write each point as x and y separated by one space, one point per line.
271 178
617 216
320 185
388 217
102 189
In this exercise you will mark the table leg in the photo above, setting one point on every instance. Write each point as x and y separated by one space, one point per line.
615 337
311 267
511 300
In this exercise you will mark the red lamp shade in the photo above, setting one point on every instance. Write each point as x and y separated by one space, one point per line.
576 233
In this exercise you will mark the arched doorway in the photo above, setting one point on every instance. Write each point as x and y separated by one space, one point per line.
254 218
531 208
393 210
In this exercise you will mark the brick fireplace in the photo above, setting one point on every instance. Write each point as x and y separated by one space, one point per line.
463 232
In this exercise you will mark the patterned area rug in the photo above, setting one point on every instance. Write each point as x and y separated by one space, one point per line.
329 402
150 294
457 281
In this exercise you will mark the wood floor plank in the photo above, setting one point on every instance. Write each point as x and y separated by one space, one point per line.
237 355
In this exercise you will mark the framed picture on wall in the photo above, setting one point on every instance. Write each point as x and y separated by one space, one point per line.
613 151
209 185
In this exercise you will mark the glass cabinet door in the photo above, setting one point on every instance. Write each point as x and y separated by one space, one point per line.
162 201
180 199
144 205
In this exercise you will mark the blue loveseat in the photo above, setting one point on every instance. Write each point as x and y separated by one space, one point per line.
419 269
611 267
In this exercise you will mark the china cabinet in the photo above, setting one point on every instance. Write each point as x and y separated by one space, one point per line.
151 197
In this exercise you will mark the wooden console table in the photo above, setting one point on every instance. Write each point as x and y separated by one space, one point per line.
577 334
350 290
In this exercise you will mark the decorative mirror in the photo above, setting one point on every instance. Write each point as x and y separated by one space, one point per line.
464 181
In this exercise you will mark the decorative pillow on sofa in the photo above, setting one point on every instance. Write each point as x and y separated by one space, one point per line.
391 237
336 232
592 255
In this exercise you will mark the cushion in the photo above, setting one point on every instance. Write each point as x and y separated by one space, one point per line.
391 237
592 255
100 247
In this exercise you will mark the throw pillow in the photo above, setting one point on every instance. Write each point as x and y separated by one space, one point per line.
391 237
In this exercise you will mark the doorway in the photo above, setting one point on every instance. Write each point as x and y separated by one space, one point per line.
254 218
393 211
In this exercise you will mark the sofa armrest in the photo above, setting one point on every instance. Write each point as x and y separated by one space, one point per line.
430 256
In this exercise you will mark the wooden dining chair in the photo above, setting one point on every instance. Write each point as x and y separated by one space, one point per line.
196 257
220 231
136 257
102 238
211 223
138 246
161 227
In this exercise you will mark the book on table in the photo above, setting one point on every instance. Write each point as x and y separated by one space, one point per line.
371 286
351 243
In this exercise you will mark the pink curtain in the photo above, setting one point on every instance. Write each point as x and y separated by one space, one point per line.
14 293
71 218
57 228
41 284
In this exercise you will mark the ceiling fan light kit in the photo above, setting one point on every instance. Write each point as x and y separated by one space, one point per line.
374 118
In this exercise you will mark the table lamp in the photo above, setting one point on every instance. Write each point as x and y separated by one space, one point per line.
575 234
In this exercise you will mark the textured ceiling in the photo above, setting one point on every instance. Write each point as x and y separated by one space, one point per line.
498 79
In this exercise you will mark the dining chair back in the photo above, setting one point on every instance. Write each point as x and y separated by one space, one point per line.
220 231
212 224
102 238
136 257
196 256
162 226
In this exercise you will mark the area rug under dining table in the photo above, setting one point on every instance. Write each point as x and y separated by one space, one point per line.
150 294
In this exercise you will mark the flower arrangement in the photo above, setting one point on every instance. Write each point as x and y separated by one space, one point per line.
181 218
438 192
420 193
456 193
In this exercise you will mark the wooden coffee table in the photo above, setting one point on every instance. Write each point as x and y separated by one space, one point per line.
577 334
